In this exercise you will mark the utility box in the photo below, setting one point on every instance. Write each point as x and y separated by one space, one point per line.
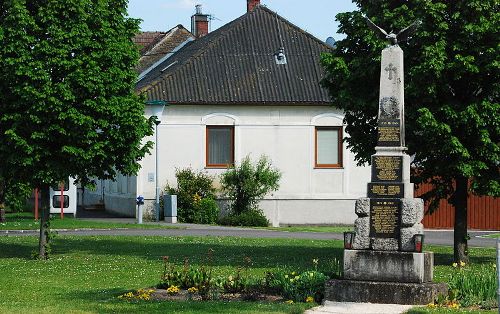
170 208
69 198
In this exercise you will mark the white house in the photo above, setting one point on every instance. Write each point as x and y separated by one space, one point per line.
249 88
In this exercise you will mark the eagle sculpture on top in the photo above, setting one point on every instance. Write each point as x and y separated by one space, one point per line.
403 35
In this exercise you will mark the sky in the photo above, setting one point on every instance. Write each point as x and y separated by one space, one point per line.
315 16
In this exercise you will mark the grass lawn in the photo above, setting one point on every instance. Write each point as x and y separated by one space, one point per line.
25 221
494 235
86 274
334 229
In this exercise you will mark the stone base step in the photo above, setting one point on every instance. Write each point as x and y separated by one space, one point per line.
341 290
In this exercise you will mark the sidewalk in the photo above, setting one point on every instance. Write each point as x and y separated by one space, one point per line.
354 308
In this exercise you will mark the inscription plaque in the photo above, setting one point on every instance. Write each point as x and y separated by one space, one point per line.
385 218
387 168
389 132
386 190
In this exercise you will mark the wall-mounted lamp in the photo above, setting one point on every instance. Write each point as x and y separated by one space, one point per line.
348 239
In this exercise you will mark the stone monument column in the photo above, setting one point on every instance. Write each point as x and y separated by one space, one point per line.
384 264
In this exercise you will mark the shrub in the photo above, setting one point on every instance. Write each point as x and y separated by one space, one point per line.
192 188
474 285
206 211
16 196
251 218
298 287
246 184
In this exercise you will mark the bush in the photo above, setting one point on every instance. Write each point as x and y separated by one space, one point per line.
192 188
298 287
251 218
474 285
246 184
16 196
206 211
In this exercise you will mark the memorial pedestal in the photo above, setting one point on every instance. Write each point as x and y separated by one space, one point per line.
391 266
339 290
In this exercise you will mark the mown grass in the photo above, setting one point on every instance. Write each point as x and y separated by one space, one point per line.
86 274
494 235
332 229
26 221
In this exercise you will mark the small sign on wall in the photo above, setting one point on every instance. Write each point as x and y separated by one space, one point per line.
151 177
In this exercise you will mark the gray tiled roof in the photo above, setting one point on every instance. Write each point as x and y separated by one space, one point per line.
236 64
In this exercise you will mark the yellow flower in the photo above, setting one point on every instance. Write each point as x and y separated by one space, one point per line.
193 290
173 290
431 305
462 264
454 265
309 299
289 302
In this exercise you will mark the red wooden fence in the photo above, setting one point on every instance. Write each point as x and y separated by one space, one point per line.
483 212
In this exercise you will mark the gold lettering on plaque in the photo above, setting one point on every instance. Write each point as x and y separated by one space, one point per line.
383 190
386 167
388 134
385 217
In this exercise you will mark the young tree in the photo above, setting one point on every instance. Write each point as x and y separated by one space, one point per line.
67 106
452 88
247 184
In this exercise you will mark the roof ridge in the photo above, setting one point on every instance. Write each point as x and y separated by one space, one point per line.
265 8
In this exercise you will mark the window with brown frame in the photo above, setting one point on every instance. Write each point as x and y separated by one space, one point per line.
328 151
220 146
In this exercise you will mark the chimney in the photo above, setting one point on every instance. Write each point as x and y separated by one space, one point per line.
251 4
199 23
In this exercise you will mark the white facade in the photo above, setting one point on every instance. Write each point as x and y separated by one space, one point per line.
286 134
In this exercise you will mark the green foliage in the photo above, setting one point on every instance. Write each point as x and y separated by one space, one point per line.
193 191
474 285
246 184
451 85
250 218
67 101
206 211
298 287
16 196
189 276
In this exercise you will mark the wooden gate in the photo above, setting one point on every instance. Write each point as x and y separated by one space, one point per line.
483 212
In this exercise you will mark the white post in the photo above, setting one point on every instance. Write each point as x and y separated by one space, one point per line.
498 272
139 214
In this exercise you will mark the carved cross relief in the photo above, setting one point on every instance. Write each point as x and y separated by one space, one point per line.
390 68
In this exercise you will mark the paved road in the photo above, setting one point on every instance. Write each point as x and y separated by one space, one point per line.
439 237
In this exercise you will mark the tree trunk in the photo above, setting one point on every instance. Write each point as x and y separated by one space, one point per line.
2 214
44 223
459 199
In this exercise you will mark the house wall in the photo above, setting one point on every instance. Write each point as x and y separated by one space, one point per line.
286 134
118 196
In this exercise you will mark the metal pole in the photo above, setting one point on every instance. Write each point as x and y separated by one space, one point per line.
36 204
139 214
61 200
157 188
